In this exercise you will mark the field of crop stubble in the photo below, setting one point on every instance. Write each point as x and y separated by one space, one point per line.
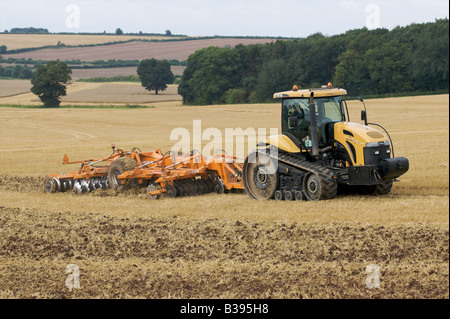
218 246
17 92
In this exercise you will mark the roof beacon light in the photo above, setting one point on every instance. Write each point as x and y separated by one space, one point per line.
295 88
330 84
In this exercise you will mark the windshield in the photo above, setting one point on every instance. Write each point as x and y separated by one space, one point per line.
328 109
296 117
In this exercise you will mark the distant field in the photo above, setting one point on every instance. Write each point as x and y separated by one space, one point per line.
109 72
177 50
9 88
218 246
118 93
17 92
104 72
19 41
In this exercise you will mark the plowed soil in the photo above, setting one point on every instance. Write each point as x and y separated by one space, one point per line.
177 257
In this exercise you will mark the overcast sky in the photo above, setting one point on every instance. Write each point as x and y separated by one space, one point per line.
286 18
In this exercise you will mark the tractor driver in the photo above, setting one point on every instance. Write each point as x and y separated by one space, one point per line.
297 123
292 119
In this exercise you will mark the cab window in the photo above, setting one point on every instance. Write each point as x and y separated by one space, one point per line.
296 119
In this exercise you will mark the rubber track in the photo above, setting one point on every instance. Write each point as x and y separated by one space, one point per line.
329 187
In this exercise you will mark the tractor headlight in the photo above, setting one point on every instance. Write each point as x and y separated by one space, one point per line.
372 144
377 144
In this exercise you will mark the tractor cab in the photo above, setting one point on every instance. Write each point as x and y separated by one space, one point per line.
296 114
297 123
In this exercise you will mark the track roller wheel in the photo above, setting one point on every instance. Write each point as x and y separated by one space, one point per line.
298 195
288 196
118 167
278 195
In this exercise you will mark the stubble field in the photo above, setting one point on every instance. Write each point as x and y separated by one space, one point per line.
19 41
218 246
17 92
110 72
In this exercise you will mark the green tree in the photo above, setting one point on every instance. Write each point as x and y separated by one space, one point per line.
3 48
430 59
275 76
388 67
21 72
236 96
119 31
352 74
209 74
27 73
155 74
49 82
405 59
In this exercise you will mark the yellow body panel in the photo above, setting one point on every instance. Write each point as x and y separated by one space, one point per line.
361 135
282 142
307 93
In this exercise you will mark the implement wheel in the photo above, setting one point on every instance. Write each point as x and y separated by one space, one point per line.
260 176
152 188
49 185
118 167
171 191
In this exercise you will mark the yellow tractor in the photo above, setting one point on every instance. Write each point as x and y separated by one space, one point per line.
321 151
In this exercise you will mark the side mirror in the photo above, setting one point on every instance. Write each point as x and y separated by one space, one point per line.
360 99
364 117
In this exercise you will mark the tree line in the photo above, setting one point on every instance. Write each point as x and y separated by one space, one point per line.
29 66
406 59
78 64
29 30
16 72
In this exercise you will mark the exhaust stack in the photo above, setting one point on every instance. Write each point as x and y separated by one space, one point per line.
313 126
